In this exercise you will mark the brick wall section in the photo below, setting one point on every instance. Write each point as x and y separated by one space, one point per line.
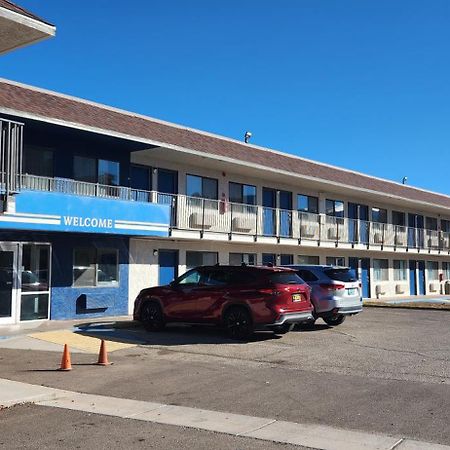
51 105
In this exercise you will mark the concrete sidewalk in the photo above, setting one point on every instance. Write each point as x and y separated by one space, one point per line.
411 301
268 429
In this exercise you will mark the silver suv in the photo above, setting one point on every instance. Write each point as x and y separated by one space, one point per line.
335 291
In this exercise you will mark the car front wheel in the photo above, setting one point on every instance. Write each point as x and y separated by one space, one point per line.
238 323
334 320
152 317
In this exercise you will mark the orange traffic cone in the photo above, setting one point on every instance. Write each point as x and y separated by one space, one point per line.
103 355
65 360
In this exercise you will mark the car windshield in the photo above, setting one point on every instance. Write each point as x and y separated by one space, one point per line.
285 278
341 274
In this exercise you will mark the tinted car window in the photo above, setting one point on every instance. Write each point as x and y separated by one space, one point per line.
216 278
307 275
341 274
242 277
285 278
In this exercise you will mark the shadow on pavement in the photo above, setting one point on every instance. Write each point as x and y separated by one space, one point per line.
130 332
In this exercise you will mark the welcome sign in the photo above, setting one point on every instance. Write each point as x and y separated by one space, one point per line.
51 211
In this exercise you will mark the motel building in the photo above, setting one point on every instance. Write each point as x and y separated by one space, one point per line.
98 203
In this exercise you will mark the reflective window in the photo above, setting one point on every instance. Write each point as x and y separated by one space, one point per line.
85 169
108 172
335 208
380 269
335 260
196 259
306 259
242 193
431 223
432 270
379 215
38 161
307 203
236 259
202 187
94 267
400 270
398 218
35 282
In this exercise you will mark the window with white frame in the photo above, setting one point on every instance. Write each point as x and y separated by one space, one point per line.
400 270
432 270
336 260
380 270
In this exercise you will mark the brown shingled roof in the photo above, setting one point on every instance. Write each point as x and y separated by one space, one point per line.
19 10
51 105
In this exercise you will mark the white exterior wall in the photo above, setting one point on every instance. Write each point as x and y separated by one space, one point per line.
144 268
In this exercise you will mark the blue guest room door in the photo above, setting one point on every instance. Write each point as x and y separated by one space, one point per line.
168 266
412 278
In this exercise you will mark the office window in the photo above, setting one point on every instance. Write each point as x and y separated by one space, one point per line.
306 203
336 261
380 270
379 215
432 270
398 218
202 187
38 161
334 208
236 259
95 267
400 270
306 259
196 259
242 193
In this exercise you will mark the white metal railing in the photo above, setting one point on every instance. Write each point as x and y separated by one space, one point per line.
209 215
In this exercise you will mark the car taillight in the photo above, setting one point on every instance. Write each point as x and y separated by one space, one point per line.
332 287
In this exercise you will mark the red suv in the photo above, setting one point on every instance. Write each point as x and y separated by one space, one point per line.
239 298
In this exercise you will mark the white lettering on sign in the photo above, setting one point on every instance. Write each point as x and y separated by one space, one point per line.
88 222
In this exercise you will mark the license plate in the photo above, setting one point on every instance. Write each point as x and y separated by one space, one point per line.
352 291
296 297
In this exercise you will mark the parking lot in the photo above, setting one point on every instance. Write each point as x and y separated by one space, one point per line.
385 371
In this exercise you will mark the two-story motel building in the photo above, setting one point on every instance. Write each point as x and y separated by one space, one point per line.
98 203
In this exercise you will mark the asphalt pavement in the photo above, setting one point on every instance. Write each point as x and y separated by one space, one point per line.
385 371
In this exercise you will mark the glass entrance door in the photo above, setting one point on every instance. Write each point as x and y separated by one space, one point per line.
8 283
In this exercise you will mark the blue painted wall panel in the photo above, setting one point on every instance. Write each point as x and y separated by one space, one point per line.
51 211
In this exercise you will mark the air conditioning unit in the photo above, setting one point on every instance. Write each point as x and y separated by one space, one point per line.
379 290
241 225
307 231
332 234
447 287
399 289
378 238
197 219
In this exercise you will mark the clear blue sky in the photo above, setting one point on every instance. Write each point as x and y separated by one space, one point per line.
363 84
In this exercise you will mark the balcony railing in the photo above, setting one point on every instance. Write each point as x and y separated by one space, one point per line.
218 216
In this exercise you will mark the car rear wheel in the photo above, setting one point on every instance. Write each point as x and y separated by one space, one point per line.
152 317
238 323
334 320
